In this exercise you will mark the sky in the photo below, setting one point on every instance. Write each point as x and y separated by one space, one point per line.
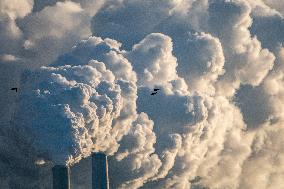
85 71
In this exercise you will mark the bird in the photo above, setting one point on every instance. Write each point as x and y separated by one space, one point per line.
14 89
153 93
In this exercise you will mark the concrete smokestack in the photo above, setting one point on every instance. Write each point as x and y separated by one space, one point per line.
99 171
61 177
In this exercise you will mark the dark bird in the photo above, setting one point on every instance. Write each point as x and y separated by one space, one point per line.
14 89
153 93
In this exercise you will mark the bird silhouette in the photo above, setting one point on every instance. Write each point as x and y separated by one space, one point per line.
14 89
153 93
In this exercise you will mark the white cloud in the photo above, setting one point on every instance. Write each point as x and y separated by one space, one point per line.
10 34
215 122
153 61
54 30
202 63
246 61
35 39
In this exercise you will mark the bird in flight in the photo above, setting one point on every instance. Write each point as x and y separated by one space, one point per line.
14 89
153 93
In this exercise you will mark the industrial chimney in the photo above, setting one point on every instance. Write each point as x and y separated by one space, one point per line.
61 177
99 171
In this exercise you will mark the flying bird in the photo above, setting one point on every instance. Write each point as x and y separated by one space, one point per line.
14 89
153 93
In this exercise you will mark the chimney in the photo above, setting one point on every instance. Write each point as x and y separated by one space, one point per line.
61 177
99 171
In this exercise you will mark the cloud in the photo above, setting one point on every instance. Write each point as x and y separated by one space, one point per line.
274 4
247 62
153 61
84 99
35 39
203 63
215 122
93 98
275 39
59 26
10 32
142 17
8 58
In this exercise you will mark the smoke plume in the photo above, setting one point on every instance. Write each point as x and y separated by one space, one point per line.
86 70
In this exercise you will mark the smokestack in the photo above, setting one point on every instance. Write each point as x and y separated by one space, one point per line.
99 171
61 177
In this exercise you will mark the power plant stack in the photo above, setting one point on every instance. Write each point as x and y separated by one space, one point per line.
61 177
100 180
99 171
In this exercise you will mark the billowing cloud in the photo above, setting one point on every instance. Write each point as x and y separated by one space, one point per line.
229 21
32 39
203 63
153 61
84 99
10 33
45 29
215 122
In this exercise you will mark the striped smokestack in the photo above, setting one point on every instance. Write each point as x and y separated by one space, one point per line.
99 171
61 177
